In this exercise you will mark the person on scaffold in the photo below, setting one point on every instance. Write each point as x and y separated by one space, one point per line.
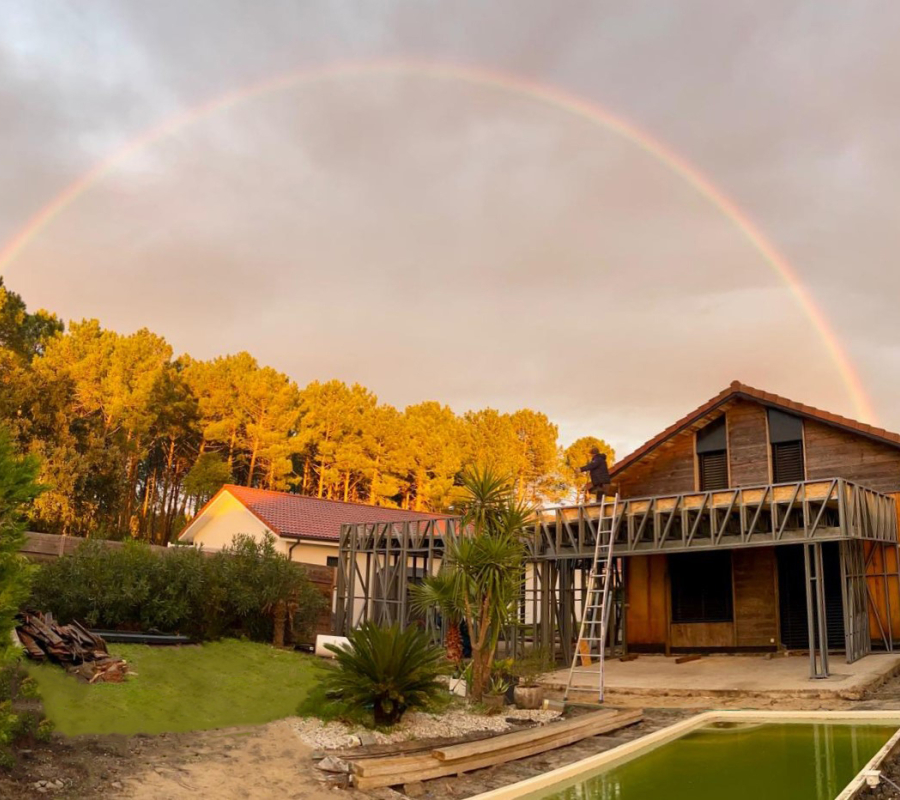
599 472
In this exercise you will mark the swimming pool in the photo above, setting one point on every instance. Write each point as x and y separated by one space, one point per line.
734 755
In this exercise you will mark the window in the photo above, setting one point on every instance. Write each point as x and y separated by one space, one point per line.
712 455
331 561
701 587
786 440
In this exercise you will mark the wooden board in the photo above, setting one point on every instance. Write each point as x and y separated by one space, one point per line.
421 769
468 749
584 650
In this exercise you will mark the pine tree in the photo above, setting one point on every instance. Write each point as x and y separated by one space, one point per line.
18 487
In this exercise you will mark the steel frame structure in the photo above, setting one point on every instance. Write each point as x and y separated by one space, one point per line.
378 562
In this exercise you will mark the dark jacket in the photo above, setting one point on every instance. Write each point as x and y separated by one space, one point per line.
598 469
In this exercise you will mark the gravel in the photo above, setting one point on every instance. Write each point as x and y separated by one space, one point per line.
415 725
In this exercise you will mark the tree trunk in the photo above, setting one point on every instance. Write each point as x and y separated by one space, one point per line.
279 615
372 484
454 643
321 478
252 462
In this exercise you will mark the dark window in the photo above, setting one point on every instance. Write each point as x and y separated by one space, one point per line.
713 471
701 587
786 438
787 462
712 454
331 561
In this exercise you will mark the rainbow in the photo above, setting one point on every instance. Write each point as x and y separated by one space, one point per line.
498 81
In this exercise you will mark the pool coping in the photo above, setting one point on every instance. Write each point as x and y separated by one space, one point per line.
624 752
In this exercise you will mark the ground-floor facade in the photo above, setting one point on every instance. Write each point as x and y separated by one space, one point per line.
805 566
752 599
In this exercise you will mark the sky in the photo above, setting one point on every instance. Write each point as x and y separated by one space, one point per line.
445 239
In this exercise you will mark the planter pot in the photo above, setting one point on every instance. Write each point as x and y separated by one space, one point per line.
530 697
494 700
458 687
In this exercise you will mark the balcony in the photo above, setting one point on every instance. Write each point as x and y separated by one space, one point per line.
809 511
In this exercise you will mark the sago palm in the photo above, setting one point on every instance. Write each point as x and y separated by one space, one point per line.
388 670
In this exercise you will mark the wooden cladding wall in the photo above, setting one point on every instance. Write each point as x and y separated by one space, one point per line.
833 453
829 453
748 444
755 597
883 582
646 596
755 624
670 472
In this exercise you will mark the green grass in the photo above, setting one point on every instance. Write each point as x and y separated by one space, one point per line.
181 689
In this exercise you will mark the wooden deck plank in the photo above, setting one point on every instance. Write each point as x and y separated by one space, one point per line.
427 768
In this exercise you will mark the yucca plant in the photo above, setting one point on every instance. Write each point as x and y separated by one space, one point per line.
388 670
482 572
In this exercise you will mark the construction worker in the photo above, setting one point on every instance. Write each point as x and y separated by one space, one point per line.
599 471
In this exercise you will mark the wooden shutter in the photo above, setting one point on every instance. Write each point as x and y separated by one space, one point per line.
787 462
713 471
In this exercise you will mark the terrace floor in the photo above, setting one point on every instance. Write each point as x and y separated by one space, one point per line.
651 678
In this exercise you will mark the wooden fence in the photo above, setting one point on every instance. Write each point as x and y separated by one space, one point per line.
49 546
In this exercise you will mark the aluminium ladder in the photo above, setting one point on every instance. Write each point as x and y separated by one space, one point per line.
590 649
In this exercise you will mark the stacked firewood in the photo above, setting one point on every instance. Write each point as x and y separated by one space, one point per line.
71 646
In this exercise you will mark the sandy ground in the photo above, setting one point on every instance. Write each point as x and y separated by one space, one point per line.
253 764
271 761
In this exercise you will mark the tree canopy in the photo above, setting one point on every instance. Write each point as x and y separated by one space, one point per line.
132 440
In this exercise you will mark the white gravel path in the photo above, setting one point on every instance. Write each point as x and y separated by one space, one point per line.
415 725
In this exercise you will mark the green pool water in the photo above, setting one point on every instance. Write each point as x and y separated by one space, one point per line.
796 761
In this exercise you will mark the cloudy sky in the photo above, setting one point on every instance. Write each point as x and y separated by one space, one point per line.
439 238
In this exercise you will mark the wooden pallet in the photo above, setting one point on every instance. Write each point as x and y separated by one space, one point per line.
371 773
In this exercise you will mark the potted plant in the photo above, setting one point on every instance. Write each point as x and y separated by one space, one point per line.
529 693
495 696
460 680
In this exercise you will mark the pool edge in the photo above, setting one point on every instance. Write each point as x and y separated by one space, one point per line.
624 752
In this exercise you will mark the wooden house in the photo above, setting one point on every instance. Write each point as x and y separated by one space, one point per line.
795 466
753 523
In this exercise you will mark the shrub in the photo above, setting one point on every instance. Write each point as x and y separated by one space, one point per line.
21 716
182 590
387 670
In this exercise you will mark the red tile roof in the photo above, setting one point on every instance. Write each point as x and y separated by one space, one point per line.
300 517
739 390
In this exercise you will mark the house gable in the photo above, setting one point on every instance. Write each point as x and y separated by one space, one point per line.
220 521
832 447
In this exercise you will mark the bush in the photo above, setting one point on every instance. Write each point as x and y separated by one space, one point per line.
387 670
231 592
21 717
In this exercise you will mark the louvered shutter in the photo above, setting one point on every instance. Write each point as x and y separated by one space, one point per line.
787 462
713 471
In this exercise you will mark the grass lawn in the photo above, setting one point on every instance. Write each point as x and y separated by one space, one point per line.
181 689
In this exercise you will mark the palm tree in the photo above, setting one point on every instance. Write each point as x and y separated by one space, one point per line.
482 571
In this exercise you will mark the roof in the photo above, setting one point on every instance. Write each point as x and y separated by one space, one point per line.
741 391
297 516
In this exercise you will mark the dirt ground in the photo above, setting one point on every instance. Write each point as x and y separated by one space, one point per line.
255 763
269 761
